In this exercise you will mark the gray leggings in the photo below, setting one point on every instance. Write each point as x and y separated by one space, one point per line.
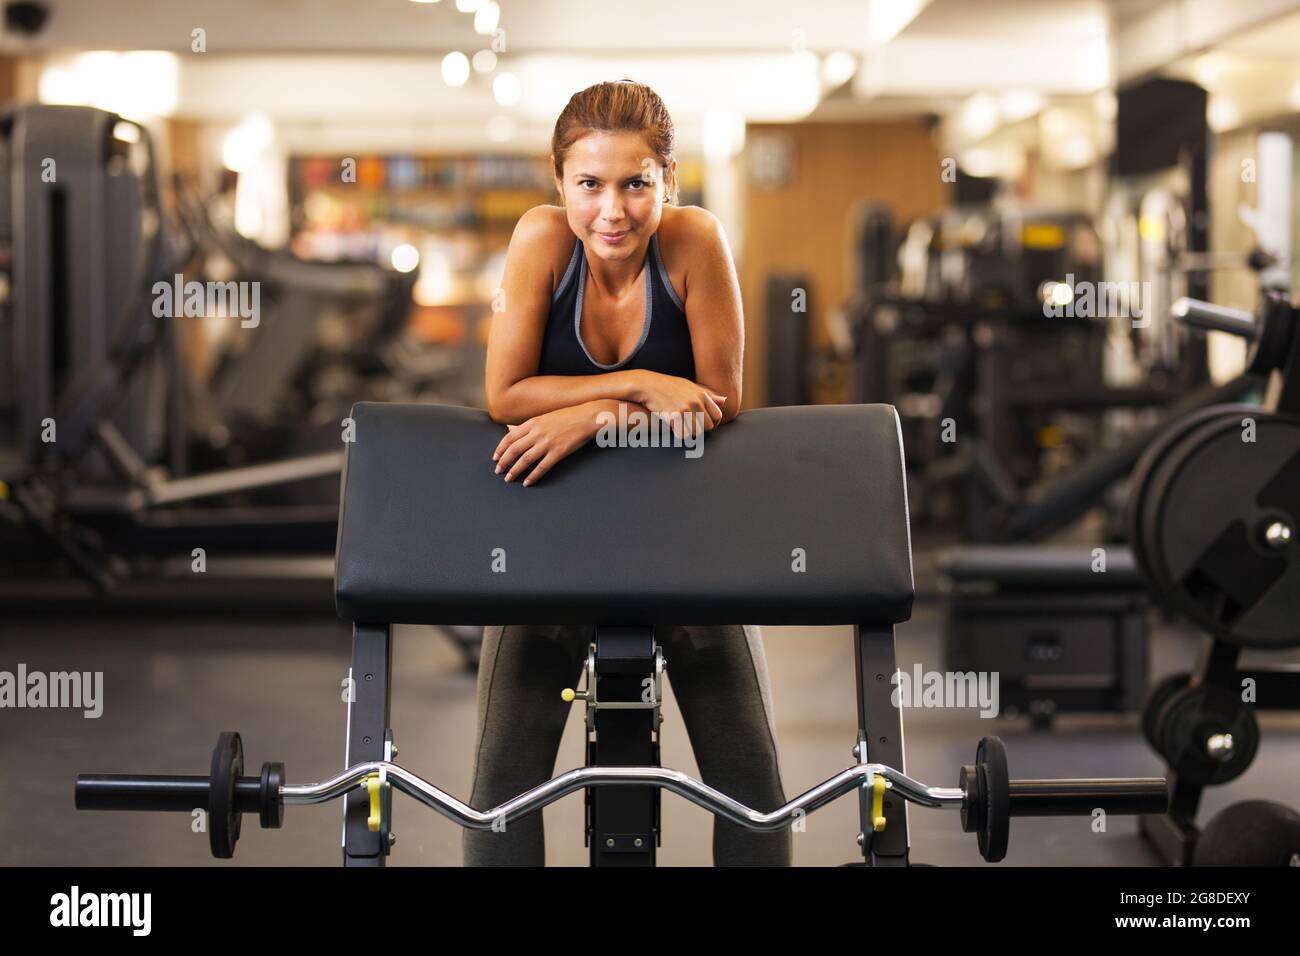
719 678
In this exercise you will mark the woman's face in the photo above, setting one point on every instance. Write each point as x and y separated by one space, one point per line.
613 193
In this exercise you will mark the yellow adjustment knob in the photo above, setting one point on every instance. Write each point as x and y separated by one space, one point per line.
878 804
4 491
567 695
372 787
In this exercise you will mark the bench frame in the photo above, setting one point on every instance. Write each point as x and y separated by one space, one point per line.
617 817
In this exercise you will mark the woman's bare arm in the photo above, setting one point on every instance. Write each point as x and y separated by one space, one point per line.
713 308
515 392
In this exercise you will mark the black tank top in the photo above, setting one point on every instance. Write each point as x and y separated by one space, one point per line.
665 342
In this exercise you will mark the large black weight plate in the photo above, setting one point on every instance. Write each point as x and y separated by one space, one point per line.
1154 454
1276 321
1251 833
991 761
1188 719
1156 701
1205 509
1212 420
223 815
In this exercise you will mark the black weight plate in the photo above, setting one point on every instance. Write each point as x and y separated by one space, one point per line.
1156 701
223 815
1190 717
1154 473
1251 833
1150 516
1207 504
270 803
1140 479
971 783
991 761
1276 321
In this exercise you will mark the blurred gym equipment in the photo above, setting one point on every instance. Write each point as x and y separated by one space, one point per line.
1091 652
337 332
88 408
1001 399
997 595
1064 628
96 502
1213 514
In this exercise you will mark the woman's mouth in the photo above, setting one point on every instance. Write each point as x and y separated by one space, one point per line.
613 238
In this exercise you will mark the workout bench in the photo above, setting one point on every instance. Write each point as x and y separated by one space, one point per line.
792 516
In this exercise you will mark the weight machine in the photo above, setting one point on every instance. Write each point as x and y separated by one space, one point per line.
419 474
94 435
89 402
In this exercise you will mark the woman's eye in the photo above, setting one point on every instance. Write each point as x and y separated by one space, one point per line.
586 181
638 183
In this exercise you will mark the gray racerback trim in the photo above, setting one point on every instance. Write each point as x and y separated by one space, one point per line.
645 328
663 272
568 273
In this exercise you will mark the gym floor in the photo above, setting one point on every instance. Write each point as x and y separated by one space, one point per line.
171 684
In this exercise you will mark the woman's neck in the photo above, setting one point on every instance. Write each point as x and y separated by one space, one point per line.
618 278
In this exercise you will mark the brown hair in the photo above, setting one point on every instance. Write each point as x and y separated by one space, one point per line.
621 107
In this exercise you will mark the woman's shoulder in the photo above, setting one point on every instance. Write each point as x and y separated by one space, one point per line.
542 234
688 224
689 236
545 225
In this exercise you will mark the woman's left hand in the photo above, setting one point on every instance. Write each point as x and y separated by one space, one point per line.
537 444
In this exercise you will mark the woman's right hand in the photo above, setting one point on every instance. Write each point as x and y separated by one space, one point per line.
680 399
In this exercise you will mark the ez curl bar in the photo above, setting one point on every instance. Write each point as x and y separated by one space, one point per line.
985 795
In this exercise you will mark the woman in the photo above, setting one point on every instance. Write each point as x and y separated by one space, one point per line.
616 297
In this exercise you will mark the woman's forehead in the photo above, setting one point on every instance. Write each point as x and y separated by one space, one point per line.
623 149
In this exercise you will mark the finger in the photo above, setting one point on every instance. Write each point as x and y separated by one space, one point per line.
499 456
713 410
657 420
688 424
506 439
541 468
702 417
516 448
525 461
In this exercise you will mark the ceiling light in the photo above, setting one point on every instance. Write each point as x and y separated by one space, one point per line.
506 89
455 68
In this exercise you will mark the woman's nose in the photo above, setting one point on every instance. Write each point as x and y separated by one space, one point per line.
612 209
